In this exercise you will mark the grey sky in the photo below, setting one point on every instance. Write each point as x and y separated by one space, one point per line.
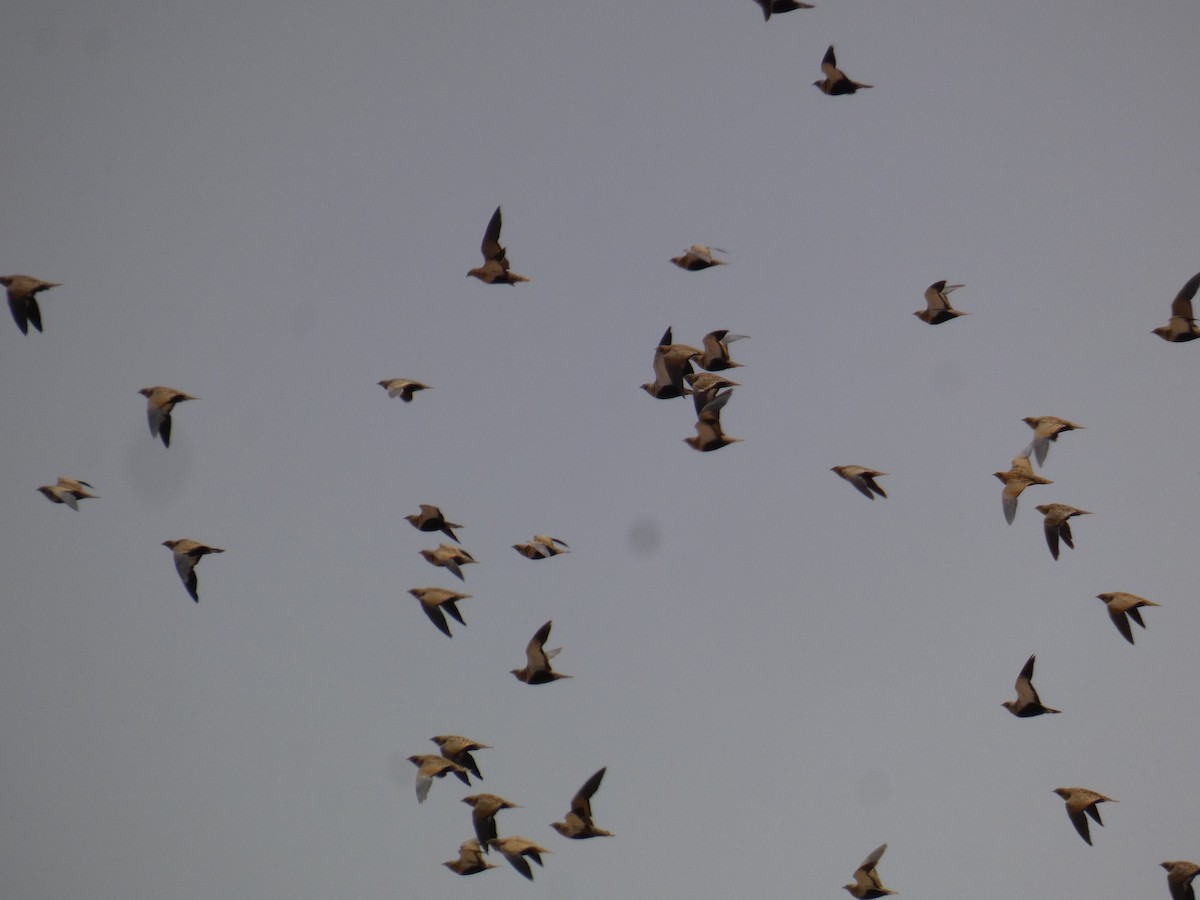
273 206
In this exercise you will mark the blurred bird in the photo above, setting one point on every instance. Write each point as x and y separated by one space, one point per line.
1122 607
1182 326
867 885
430 518
1080 801
1045 430
863 479
515 849
709 434
780 6
458 750
937 305
715 357
22 299
68 490
404 388
705 388
542 546
1028 703
672 363
698 257
449 557
187 554
1016 479
495 259
434 600
483 815
470 859
835 81
159 403
431 766
1057 524
578 822
537 659
1180 873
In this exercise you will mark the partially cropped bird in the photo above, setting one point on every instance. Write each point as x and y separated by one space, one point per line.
458 749
867 884
404 388
709 434
716 350
449 557
434 600
835 81
1180 873
470 859
495 258
1182 326
937 304
515 849
1046 430
1057 524
1028 703
67 490
697 257
1122 607
578 822
22 299
484 808
1016 479
160 401
430 518
770 7
863 479
431 766
537 659
1080 801
187 553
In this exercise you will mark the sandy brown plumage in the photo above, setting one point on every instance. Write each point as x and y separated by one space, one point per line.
1056 524
863 479
1182 326
22 299
867 884
937 304
67 490
1028 703
404 388
578 822
1016 479
470 859
484 808
495 258
430 518
836 82
435 601
187 553
1080 801
431 766
537 668
160 401
1122 607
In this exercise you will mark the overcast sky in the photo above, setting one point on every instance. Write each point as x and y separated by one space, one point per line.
272 206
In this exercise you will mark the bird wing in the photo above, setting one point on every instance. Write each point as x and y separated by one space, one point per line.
535 652
490 247
1026 694
1182 304
581 802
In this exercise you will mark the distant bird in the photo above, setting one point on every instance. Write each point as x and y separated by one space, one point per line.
542 546
159 403
431 766
1016 479
470 859
1045 430
1080 801
780 6
404 388
578 821
705 388
22 299
835 81
449 557
430 518
937 304
863 479
515 849
537 659
672 363
1180 873
458 750
716 350
67 490
1028 703
698 257
1182 326
434 600
867 885
495 259
187 554
709 435
1057 524
484 808
1122 607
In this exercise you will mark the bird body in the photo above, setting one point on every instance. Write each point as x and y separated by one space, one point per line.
1081 801
1180 873
780 6
709 434
160 401
578 822
1122 607
863 479
431 766
1028 703
835 81
404 388
435 600
458 750
430 518
470 859
537 668
697 257
187 553
715 357
67 490
449 557
1046 429
1016 479
495 258
1057 524
937 304
484 808
22 299
515 849
1182 326
867 885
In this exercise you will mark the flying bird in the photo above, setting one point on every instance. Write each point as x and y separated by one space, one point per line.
709 435
672 364
1028 703
404 388
159 403
430 518
537 659
1122 607
1180 873
698 257
863 479
1057 524
1182 326
434 600
484 808
770 7
431 766
1045 430
1016 479
187 554
937 304
715 357
22 299
1080 801
515 849
835 81
867 885
67 490
578 821
470 859
541 547
495 259
458 750
449 557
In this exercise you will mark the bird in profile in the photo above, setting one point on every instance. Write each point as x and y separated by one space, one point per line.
1028 703
449 557
22 299
404 388
863 479
431 766
434 600
537 659
159 403
67 490
1046 429
187 554
1180 873
1016 479
542 546
578 823
484 808
1080 801
835 81
1182 326
866 880
430 518
698 257
470 859
458 750
1057 524
709 435
770 7
672 364
515 849
937 304
715 357
495 259
1122 607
